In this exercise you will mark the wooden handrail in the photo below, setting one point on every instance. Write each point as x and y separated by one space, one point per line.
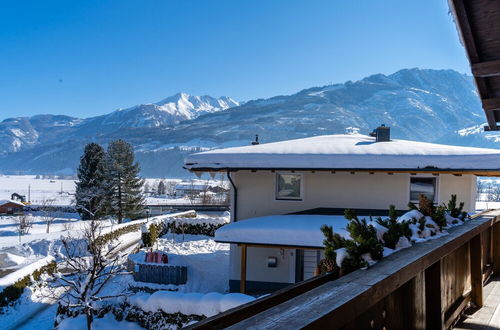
338 303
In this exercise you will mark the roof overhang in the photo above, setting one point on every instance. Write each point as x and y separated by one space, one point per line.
479 28
436 171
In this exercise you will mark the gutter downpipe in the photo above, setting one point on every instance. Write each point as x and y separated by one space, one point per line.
235 194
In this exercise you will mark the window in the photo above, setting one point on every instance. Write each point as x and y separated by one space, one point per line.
288 186
422 186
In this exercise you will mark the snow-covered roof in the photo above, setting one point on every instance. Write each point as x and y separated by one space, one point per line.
347 151
188 186
5 201
282 230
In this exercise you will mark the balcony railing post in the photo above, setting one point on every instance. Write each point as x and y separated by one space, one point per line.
496 248
476 270
434 314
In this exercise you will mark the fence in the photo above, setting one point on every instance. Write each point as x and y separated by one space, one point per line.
426 286
160 273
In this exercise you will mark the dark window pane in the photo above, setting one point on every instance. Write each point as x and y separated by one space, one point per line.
422 186
288 186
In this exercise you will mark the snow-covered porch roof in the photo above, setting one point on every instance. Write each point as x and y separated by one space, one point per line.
351 152
301 230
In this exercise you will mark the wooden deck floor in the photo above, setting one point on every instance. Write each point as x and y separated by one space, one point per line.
487 317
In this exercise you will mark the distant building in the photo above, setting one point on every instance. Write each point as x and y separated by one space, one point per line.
18 198
9 206
189 189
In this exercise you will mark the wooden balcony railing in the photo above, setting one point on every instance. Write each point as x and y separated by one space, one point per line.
426 286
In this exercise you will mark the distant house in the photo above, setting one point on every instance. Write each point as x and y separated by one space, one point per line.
11 207
282 192
189 188
17 197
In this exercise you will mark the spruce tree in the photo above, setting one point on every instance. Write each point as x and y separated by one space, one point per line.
161 188
125 199
90 196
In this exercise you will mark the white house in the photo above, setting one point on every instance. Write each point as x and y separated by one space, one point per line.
283 192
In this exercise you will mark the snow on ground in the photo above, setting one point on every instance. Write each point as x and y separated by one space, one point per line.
207 262
105 323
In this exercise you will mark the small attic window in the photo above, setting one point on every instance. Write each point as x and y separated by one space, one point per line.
288 186
422 186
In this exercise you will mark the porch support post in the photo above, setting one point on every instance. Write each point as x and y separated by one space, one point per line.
243 275
476 270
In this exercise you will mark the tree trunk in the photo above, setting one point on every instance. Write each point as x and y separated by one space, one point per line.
89 320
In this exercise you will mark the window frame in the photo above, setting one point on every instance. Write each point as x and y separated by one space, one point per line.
436 189
276 183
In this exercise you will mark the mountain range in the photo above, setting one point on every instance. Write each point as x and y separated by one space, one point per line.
439 106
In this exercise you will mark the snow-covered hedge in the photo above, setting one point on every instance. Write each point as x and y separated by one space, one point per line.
12 285
181 225
157 320
370 240
166 309
171 302
115 234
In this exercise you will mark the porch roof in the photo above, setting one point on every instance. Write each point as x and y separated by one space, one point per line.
298 230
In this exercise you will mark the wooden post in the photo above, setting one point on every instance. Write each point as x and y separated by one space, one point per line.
434 314
496 248
476 270
243 276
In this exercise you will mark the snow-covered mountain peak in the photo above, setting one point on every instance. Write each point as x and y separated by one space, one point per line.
169 111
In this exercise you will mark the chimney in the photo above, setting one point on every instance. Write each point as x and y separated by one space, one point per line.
256 142
382 133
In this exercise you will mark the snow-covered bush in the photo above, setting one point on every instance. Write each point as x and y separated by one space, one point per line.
155 320
354 253
395 229
428 209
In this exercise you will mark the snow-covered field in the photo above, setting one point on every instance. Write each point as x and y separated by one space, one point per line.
38 190
61 192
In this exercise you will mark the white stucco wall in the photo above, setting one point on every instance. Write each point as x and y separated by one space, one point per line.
256 191
256 197
257 269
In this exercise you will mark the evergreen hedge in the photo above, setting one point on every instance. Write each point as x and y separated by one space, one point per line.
115 234
156 230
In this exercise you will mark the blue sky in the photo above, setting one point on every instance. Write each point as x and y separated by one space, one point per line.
85 58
